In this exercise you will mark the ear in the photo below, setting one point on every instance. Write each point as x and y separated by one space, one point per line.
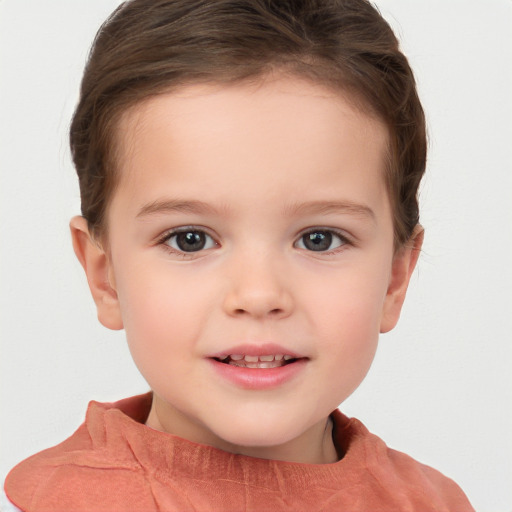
98 270
404 262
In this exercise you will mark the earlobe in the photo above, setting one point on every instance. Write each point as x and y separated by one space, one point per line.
403 266
97 267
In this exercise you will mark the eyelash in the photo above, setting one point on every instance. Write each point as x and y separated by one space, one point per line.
345 241
164 239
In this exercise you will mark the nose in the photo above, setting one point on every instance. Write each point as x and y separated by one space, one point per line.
257 288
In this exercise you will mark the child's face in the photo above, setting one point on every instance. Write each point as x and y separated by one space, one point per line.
285 247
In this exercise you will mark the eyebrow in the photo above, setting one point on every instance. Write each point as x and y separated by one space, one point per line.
163 206
176 206
331 207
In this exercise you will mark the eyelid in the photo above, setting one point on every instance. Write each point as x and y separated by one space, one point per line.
164 237
342 235
167 235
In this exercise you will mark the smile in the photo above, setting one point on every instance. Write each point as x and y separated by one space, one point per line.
261 366
254 373
263 361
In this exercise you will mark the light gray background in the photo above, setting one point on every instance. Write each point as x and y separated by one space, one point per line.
441 386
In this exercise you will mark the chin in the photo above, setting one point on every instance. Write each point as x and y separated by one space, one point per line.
258 434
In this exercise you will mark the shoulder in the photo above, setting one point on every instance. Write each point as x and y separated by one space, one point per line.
395 476
427 483
63 479
70 474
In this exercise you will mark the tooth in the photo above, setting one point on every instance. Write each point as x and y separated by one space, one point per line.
252 365
278 357
236 357
266 358
251 359
287 357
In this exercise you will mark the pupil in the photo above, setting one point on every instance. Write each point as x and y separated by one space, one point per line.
191 241
318 241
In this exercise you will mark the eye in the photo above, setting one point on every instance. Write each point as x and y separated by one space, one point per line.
189 240
321 240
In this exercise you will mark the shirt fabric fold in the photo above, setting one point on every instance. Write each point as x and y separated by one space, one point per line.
114 462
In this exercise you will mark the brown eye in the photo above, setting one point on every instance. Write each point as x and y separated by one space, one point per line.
320 240
190 241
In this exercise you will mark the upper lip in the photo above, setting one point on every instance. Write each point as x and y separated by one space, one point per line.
257 349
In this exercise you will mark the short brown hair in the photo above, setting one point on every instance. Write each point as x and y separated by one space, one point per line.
147 47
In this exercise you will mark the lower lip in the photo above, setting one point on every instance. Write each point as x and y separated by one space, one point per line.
259 378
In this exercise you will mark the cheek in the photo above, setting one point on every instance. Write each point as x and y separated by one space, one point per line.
348 314
161 334
349 337
351 301
160 312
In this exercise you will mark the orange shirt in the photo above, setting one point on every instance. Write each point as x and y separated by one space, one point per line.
113 462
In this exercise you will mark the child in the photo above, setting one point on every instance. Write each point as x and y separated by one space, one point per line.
248 173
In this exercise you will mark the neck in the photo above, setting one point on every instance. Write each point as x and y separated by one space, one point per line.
314 446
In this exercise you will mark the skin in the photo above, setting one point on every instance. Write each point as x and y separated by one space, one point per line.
265 159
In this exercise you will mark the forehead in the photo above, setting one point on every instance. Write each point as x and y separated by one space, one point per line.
281 94
275 131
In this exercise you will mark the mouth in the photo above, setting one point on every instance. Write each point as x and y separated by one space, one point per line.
259 367
261 361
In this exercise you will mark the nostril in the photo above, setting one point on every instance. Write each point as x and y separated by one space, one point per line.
273 312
